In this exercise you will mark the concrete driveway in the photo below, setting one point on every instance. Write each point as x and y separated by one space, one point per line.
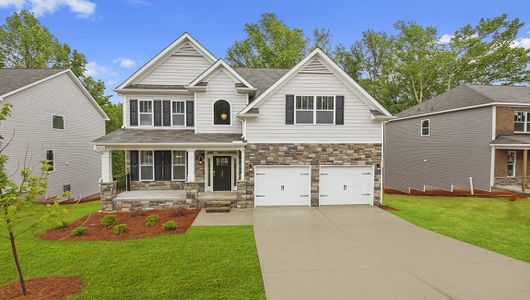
362 252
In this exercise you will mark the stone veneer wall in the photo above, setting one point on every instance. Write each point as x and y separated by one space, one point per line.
308 154
509 180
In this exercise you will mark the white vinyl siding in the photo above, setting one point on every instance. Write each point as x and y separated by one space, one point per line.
220 86
270 126
176 70
76 163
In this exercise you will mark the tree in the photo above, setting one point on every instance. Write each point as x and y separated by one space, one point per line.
16 198
413 65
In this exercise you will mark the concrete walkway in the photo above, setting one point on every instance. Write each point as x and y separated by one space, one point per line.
362 252
236 216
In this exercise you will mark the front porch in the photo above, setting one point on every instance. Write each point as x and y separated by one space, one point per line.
160 175
510 163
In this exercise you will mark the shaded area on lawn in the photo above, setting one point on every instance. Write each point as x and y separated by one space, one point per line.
204 263
497 224
135 221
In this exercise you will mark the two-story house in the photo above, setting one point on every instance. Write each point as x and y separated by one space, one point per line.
309 135
471 137
54 118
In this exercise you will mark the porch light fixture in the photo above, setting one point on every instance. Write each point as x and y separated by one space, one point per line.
200 158
224 115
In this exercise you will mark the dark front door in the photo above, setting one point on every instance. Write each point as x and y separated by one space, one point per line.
222 173
162 165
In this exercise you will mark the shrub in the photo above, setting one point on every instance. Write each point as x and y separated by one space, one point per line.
151 220
120 228
61 225
181 211
169 225
109 220
79 231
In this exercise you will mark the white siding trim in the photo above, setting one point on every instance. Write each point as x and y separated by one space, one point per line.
220 64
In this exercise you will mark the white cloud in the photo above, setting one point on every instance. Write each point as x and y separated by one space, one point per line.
522 42
82 8
137 2
125 62
445 39
96 70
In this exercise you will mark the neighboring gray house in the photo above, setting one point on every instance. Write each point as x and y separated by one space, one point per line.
473 135
55 118
196 127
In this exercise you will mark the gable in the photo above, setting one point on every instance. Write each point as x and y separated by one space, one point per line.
315 65
178 64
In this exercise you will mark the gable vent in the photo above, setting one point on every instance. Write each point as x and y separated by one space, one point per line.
186 49
315 66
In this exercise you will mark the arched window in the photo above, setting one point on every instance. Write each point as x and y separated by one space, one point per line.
221 112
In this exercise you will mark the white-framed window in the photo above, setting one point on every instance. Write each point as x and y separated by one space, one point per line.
145 112
222 113
178 113
178 164
147 165
50 157
511 163
425 127
314 110
57 122
521 122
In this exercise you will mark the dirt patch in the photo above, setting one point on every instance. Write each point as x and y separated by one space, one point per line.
495 193
46 288
136 225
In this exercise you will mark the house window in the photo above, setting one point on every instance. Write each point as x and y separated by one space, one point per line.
146 113
425 127
521 122
147 169
315 110
325 110
221 113
58 122
50 158
178 113
510 163
179 165
304 109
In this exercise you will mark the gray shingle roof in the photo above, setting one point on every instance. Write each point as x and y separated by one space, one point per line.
149 136
261 78
12 79
511 140
470 95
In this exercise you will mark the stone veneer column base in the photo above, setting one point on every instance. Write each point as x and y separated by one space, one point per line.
108 191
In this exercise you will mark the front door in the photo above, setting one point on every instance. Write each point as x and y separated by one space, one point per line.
222 173
162 165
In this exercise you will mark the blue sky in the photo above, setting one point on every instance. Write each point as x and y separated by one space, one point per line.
118 36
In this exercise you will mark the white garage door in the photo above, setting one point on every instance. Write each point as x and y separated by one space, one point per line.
346 185
282 185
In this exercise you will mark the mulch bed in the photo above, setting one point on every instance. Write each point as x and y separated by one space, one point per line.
135 222
46 288
495 193
388 208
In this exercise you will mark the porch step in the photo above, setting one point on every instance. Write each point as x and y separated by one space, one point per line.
221 196
224 209
218 203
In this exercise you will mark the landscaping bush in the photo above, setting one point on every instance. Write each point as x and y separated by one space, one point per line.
181 211
120 228
79 231
109 220
61 225
169 225
151 220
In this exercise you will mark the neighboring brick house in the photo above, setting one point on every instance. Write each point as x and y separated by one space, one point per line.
473 135
309 135
53 117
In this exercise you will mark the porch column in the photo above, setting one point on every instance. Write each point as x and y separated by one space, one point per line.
242 164
191 165
106 166
525 161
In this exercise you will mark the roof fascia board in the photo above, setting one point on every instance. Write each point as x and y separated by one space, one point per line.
162 54
88 95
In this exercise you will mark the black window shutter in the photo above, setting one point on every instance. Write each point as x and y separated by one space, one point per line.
166 111
133 112
339 111
167 165
289 109
158 112
189 113
134 166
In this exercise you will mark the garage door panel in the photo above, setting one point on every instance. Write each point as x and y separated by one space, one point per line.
346 185
282 185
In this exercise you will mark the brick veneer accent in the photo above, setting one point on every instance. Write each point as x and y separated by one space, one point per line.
308 154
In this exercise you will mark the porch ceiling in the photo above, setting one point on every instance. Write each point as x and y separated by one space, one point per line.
166 137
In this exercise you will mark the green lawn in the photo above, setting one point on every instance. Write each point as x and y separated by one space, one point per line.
204 263
496 224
